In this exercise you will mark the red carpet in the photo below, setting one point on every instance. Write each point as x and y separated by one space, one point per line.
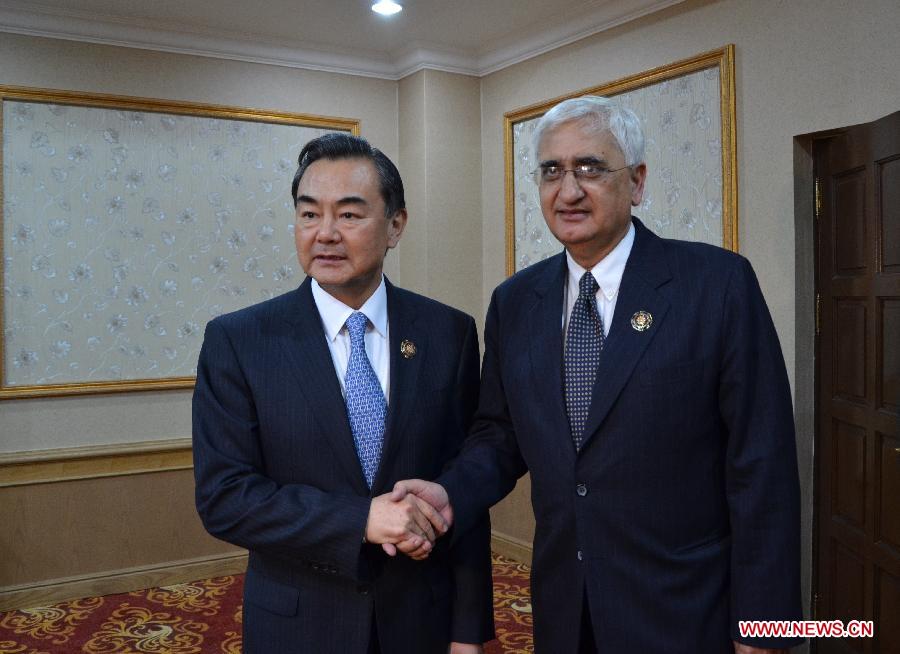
205 617
512 608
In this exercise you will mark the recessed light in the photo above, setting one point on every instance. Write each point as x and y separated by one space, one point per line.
386 7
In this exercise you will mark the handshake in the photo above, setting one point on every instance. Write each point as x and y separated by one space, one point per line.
410 518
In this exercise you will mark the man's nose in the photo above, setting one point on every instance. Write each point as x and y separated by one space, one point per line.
328 232
569 188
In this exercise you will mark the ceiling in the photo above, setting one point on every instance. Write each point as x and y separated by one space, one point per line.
474 37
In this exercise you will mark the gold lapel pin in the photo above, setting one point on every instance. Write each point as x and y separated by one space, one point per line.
407 349
641 321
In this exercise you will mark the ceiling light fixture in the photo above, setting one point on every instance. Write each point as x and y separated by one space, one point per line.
386 7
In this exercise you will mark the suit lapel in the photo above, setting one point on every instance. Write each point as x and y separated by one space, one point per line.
310 360
645 271
403 326
546 350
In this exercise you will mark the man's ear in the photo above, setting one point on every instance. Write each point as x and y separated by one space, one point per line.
638 177
396 225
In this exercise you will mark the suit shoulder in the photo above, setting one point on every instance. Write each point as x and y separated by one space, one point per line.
526 279
257 313
689 254
713 269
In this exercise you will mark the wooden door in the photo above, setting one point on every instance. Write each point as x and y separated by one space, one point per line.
858 372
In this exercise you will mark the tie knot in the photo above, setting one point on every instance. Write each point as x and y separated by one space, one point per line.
356 325
588 285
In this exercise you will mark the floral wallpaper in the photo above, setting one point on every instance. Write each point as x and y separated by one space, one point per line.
683 150
124 232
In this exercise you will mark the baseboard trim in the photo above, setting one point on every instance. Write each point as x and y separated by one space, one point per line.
175 572
121 581
511 547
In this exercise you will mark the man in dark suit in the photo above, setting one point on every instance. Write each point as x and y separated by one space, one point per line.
309 406
640 382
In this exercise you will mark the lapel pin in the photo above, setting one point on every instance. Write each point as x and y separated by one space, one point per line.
641 321
407 349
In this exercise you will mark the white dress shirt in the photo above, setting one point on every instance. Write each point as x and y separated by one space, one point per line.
608 273
334 314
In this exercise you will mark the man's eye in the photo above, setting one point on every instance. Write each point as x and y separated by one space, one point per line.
307 215
551 172
348 215
590 171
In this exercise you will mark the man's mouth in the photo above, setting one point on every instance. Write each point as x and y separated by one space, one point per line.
573 214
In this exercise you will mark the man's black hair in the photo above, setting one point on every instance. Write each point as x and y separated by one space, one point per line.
340 145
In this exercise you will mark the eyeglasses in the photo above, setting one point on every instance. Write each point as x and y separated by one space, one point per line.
586 172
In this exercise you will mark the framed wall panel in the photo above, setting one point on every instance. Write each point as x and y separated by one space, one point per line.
688 114
127 224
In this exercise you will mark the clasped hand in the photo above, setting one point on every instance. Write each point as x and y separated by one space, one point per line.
410 518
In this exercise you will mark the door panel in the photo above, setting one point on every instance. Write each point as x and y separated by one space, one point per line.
889 205
850 349
887 608
849 233
889 355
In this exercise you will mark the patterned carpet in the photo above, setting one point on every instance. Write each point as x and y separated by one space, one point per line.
204 617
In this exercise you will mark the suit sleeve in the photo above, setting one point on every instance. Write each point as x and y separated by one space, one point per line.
470 555
762 483
490 462
236 501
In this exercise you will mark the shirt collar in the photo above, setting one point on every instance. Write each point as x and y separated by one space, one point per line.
609 270
334 313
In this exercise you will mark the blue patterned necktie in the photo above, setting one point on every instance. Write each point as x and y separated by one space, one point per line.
584 341
366 406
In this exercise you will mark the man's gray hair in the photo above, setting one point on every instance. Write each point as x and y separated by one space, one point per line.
600 114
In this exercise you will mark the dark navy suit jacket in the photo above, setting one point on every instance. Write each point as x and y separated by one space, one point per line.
277 473
680 514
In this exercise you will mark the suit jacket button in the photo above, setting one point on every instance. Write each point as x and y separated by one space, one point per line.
581 489
580 556
362 590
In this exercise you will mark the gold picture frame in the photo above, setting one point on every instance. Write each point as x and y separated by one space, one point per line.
664 83
63 155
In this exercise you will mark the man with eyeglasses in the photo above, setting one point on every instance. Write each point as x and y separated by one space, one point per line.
641 383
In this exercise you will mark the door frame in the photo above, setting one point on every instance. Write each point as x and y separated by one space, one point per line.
806 357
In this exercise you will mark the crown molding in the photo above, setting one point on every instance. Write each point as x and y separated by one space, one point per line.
83 27
416 57
604 16
74 25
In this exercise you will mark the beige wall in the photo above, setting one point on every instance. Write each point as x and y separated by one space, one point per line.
84 528
440 158
413 159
